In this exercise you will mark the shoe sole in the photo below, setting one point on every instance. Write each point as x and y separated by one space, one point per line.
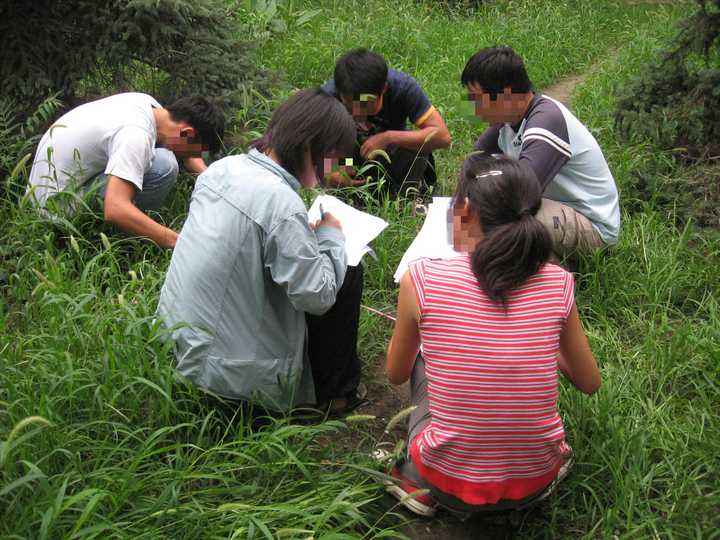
415 506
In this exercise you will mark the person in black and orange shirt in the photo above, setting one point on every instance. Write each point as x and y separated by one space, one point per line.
382 101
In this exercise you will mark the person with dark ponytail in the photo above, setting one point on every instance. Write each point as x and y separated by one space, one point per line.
494 325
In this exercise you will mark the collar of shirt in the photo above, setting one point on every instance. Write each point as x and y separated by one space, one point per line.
264 161
528 110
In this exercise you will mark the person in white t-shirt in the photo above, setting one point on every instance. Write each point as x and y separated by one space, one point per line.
580 207
108 147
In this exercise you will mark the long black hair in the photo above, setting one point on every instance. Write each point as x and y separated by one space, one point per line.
308 119
505 196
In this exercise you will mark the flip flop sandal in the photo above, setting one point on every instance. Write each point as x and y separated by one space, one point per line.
353 400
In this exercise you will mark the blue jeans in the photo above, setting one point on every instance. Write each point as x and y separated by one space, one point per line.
158 181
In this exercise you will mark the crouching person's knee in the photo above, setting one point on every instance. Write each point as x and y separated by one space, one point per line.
164 164
158 181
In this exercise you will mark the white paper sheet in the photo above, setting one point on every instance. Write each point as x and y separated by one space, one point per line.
433 241
359 228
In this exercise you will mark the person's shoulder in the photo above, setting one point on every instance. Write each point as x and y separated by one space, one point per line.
546 121
545 111
458 263
242 173
401 81
554 272
132 98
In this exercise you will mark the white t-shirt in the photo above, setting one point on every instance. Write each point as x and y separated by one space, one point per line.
115 135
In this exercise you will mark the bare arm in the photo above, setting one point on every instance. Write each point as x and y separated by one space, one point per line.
432 134
576 360
121 212
405 341
195 164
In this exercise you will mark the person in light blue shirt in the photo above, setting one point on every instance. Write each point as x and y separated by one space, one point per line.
248 266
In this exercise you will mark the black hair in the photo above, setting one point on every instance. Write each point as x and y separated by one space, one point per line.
360 71
204 116
308 119
496 68
505 195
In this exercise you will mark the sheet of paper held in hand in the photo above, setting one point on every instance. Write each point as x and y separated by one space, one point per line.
359 228
434 241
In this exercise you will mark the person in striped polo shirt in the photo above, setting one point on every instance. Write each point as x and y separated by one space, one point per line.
580 206
494 325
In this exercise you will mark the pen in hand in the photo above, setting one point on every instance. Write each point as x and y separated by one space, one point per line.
327 219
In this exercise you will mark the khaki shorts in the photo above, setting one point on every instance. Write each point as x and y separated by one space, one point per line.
569 229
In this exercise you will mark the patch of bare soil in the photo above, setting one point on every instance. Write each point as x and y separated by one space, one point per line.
563 90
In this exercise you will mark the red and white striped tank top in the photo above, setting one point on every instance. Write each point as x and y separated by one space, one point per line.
495 432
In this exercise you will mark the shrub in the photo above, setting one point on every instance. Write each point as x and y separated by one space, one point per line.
75 47
676 101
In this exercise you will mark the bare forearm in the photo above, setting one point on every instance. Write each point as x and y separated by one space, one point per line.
195 165
426 139
563 367
128 218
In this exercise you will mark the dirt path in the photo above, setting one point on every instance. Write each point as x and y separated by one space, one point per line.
563 89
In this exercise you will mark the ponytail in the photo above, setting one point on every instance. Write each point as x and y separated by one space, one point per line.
509 255
505 195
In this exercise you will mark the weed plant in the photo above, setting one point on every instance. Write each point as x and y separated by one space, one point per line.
99 438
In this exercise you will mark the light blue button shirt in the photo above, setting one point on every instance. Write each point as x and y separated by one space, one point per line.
244 271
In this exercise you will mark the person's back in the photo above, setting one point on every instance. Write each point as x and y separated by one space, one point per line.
491 372
217 283
493 326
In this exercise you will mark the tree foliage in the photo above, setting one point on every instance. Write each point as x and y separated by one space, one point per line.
169 47
676 102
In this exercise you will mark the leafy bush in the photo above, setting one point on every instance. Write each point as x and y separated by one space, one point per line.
261 19
676 101
169 47
18 138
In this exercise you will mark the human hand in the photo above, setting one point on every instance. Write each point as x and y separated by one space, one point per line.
327 220
170 239
375 142
344 177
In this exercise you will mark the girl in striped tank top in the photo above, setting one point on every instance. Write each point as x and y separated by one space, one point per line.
494 324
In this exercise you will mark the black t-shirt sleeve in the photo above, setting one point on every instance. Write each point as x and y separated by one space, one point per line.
545 143
488 141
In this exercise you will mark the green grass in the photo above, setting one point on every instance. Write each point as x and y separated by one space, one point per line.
98 438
